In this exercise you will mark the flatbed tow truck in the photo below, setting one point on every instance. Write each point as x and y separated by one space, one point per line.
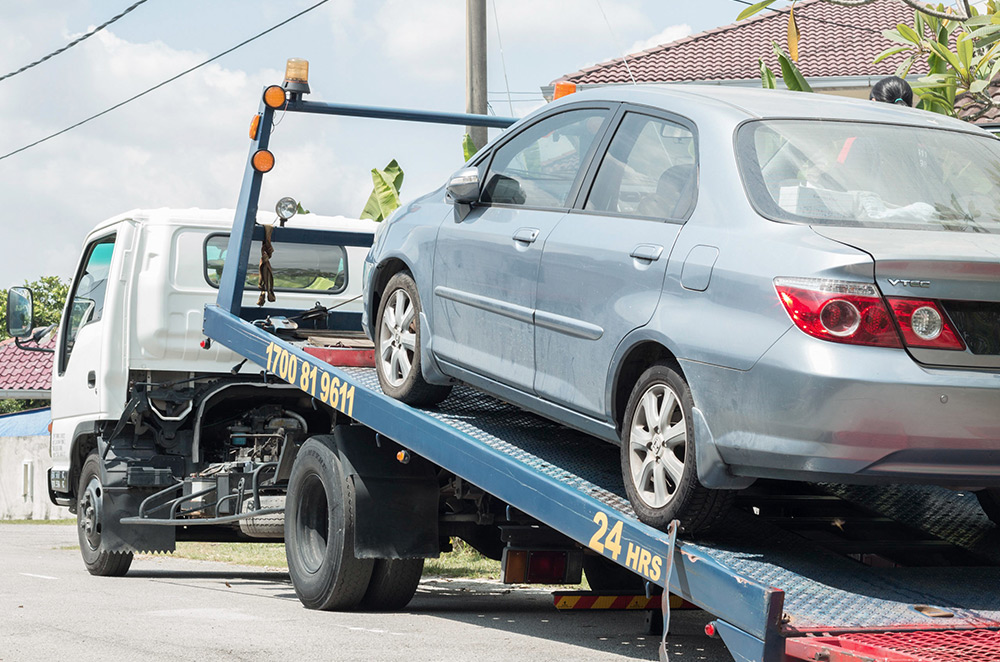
800 572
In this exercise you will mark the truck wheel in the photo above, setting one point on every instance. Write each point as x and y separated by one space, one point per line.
393 583
319 531
658 456
603 575
397 345
989 500
90 521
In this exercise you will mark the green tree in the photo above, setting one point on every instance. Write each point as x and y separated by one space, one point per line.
384 198
961 47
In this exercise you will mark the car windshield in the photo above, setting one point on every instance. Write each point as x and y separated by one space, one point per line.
871 175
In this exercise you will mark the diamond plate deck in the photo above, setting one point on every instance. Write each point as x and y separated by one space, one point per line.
824 592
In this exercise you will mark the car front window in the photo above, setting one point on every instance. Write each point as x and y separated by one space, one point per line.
871 175
539 166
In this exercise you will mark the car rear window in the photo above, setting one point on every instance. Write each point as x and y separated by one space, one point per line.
297 267
871 175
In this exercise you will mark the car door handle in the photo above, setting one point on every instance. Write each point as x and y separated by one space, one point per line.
526 235
650 252
91 379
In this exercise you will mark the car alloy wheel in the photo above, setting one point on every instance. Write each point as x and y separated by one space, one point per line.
398 340
657 445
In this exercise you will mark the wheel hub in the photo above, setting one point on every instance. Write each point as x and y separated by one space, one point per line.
90 512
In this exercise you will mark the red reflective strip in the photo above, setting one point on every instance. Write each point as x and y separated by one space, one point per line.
846 149
947 646
344 356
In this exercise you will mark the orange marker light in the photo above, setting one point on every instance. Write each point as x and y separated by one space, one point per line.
254 125
262 161
274 96
563 88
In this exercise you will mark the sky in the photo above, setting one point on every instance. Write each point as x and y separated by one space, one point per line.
185 145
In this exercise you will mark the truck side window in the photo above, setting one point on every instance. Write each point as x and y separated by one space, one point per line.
297 267
87 297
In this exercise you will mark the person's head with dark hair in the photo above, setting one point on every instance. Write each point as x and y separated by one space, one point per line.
893 90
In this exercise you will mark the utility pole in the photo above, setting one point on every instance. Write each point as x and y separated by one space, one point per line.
475 67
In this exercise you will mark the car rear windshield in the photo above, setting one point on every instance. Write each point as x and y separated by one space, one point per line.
871 175
296 267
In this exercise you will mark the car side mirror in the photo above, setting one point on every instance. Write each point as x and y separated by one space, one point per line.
463 187
20 312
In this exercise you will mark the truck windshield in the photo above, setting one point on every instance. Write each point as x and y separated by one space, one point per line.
871 175
297 267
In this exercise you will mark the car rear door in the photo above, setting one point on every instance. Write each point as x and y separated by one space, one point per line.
603 265
486 263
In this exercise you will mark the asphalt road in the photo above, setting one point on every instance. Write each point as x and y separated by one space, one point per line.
51 609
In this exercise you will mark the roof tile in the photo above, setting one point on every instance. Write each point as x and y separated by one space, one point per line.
836 41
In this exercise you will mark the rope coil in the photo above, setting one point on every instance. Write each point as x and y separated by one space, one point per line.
266 284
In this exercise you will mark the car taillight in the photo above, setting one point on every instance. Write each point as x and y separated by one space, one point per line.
924 325
839 311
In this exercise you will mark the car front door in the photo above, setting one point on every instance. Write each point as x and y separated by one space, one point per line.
486 263
603 266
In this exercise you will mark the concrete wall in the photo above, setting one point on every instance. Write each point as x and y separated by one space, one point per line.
14 503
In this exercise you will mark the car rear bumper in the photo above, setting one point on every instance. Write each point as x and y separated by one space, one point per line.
815 410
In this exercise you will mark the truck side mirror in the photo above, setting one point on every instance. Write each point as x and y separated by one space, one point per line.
20 312
463 187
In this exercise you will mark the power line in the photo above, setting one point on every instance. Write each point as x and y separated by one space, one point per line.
73 43
800 17
167 81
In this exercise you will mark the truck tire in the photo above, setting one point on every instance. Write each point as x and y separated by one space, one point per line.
319 531
989 500
264 526
90 511
393 584
658 455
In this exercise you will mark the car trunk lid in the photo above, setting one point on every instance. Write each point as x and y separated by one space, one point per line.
959 270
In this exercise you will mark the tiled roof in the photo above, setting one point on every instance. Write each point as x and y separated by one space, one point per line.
836 41
25 371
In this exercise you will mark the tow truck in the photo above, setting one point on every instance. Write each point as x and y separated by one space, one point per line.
826 572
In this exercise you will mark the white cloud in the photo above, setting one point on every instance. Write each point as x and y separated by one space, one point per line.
669 34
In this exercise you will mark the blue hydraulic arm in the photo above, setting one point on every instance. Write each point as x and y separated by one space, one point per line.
234 271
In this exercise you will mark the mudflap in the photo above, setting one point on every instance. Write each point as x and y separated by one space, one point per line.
122 502
396 496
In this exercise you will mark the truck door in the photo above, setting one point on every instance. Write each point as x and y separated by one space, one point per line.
76 379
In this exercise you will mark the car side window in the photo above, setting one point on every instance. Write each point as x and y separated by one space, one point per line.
87 297
649 170
538 167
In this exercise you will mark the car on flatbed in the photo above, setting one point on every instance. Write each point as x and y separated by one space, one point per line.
730 284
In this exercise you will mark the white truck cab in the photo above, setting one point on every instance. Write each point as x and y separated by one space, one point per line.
135 381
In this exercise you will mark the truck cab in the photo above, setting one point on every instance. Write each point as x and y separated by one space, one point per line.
136 381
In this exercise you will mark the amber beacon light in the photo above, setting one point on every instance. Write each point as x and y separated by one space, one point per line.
296 76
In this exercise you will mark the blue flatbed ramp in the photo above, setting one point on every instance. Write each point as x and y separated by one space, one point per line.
763 583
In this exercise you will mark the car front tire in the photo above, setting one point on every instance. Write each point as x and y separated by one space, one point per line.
658 455
397 345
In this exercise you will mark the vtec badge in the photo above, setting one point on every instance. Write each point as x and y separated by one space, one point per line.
902 282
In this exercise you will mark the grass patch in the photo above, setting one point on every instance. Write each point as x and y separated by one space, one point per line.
463 561
57 522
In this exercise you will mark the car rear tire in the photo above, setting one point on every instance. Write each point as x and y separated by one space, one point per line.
397 345
658 456
989 500
90 521
319 532
393 584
